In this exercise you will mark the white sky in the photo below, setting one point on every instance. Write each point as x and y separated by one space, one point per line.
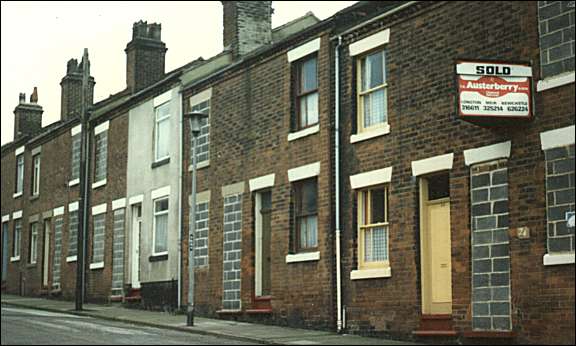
38 39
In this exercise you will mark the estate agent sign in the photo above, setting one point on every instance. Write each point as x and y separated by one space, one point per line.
490 91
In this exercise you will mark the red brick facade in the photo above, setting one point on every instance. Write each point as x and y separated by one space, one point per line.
252 110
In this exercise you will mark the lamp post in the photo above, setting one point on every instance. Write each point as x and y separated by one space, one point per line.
195 120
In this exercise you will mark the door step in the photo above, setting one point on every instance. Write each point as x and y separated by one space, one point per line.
436 325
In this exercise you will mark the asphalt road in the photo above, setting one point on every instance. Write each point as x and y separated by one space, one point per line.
34 327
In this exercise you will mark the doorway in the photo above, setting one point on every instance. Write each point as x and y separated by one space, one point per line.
435 242
135 253
263 229
46 254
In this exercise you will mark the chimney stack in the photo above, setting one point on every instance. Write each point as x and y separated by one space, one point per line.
247 25
71 98
145 56
27 116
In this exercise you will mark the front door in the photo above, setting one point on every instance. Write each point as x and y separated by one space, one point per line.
436 246
46 254
136 230
263 221
5 251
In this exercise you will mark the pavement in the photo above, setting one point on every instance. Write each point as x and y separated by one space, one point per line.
241 331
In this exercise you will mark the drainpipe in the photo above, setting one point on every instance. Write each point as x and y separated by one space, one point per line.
340 324
180 218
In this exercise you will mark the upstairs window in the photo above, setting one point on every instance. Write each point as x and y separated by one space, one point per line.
36 175
101 157
19 174
75 166
161 226
372 91
162 132
306 92
203 140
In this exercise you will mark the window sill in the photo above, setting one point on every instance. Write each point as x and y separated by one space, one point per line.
99 184
34 197
370 134
304 133
17 195
160 163
158 257
555 81
74 182
370 274
200 165
31 265
15 259
99 265
558 259
303 257
71 259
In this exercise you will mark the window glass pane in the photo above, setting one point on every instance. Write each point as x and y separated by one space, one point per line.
308 77
163 111
312 231
375 108
161 205
377 206
309 195
98 239
17 230
161 234
266 198
73 234
36 175
376 244
312 108
373 71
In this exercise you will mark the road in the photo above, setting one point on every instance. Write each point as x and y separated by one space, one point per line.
34 327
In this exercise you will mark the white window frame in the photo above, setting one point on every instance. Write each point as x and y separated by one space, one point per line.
155 215
364 211
157 138
19 175
380 128
36 161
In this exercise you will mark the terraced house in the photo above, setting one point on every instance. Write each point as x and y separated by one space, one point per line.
402 168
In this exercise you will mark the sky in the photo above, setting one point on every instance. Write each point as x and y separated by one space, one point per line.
38 39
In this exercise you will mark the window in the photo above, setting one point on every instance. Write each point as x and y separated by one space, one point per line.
306 92
36 175
101 158
372 91
306 216
17 239
161 226
556 38
203 140
162 132
373 228
98 238
19 174
201 236
73 234
33 254
76 146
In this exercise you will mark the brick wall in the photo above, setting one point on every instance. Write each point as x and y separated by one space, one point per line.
250 123
420 56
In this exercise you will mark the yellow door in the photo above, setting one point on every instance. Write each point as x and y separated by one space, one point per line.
439 256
